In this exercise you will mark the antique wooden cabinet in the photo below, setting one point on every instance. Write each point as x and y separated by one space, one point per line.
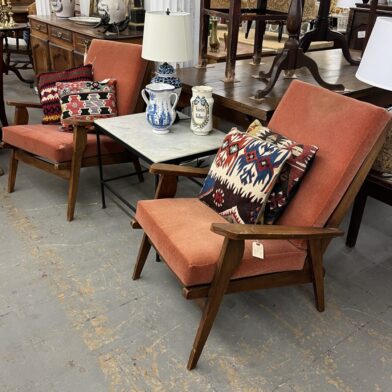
58 44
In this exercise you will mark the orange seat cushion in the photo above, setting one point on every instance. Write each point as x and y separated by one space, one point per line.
49 142
180 230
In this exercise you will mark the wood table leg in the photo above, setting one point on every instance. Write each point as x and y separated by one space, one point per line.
3 116
232 39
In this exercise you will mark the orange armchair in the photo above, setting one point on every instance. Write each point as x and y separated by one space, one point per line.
211 257
64 153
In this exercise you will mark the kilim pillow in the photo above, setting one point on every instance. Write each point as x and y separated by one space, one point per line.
87 100
242 176
292 173
48 92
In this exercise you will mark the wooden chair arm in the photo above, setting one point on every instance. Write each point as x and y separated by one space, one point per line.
78 123
21 116
259 232
178 170
24 104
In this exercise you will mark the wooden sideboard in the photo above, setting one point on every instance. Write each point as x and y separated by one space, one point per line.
58 44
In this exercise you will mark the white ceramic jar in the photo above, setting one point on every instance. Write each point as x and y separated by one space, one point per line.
201 108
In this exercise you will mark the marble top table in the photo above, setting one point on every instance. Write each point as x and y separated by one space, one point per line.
181 144
136 135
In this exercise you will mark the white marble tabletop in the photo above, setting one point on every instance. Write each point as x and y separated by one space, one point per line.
135 132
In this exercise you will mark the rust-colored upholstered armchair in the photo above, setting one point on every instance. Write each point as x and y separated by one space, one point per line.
212 257
64 153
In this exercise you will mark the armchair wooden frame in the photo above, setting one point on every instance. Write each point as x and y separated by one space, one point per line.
70 170
231 252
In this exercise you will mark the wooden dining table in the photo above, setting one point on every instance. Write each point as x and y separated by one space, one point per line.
235 102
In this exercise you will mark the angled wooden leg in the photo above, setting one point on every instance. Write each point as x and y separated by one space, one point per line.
316 257
79 144
144 249
356 216
12 171
279 66
229 259
138 168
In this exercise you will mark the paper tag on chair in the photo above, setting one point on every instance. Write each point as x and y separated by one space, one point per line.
258 250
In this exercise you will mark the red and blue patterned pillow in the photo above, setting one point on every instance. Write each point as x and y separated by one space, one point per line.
87 100
46 85
292 173
242 176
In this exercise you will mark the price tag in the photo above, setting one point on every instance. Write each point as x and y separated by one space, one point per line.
361 34
258 250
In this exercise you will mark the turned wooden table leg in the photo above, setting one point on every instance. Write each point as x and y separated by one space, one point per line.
232 39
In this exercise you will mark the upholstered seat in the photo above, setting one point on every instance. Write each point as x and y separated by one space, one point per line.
193 259
50 142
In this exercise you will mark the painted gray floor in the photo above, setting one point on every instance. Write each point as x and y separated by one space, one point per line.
71 318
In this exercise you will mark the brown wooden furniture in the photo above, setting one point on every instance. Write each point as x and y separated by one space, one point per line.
292 57
39 145
375 187
357 24
234 102
234 16
58 44
17 33
322 32
228 262
5 68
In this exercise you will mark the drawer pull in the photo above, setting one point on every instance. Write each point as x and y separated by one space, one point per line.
59 34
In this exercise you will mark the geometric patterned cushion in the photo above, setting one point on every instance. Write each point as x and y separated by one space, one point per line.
242 176
292 173
46 84
87 100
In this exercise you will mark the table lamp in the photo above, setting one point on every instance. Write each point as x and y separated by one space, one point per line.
376 64
167 38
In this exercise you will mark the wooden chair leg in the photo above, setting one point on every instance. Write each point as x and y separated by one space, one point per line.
79 144
229 259
232 39
138 168
356 216
204 24
316 257
144 249
12 171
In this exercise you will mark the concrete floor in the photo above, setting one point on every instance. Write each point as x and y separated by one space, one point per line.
71 318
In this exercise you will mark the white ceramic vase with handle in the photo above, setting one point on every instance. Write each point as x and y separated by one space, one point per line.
160 112
201 108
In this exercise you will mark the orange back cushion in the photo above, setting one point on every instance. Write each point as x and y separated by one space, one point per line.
123 62
344 130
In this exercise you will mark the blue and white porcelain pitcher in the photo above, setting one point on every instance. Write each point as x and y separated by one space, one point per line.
160 111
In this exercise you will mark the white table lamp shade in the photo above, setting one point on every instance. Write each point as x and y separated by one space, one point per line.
167 37
376 64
